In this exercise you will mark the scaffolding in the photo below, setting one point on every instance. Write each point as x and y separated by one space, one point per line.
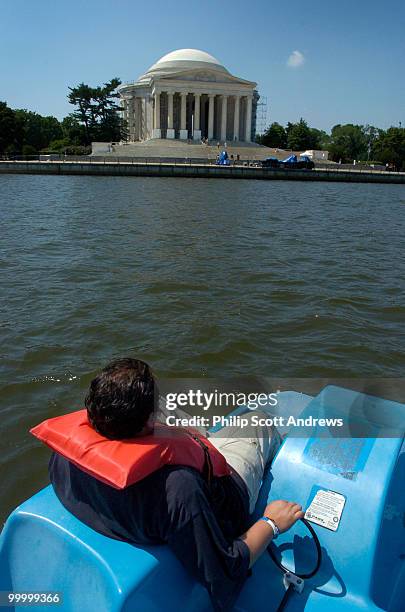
261 115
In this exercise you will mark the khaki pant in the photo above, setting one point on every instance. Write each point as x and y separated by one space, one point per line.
248 455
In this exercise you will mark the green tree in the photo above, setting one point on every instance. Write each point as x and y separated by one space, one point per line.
82 97
275 136
10 130
28 150
97 111
73 131
319 139
300 136
389 147
37 131
371 134
348 142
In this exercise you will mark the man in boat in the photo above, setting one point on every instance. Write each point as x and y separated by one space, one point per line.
205 523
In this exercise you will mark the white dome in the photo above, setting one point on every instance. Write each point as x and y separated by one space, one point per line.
188 55
184 59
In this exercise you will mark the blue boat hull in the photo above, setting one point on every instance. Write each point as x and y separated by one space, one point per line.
44 548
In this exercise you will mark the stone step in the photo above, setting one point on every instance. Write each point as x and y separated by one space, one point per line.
165 148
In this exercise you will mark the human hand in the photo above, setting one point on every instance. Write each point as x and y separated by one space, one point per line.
284 513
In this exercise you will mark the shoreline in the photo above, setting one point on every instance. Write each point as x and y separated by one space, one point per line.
188 170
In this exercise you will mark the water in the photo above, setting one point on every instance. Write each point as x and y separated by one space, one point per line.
197 277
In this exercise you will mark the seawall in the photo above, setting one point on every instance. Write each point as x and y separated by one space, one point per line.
106 168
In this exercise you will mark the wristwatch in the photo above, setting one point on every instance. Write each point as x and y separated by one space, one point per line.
269 521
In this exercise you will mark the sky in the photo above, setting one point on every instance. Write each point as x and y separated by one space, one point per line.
328 62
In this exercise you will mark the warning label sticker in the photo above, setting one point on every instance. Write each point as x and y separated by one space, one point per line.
326 509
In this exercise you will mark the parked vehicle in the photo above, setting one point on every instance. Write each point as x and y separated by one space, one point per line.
292 162
302 163
270 162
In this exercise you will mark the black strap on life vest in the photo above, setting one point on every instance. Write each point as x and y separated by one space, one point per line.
208 470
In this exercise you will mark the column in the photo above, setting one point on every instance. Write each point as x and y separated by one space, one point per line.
248 126
127 117
224 110
156 132
147 107
131 122
125 110
135 104
135 117
236 119
210 116
141 119
170 130
146 104
197 104
183 120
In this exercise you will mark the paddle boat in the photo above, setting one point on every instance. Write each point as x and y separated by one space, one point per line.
353 491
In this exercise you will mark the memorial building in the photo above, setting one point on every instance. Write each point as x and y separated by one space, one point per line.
188 94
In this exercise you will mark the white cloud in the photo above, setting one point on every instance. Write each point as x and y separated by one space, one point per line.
296 59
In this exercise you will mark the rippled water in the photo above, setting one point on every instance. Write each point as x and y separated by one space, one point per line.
199 278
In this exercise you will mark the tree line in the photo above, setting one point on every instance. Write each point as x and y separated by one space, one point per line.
345 143
95 118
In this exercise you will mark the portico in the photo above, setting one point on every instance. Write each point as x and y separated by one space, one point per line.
188 94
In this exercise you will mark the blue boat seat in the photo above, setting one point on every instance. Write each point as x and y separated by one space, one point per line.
47 549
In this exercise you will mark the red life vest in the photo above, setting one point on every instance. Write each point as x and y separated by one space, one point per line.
120 463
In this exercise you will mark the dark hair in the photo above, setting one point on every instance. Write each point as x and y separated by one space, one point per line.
121 399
